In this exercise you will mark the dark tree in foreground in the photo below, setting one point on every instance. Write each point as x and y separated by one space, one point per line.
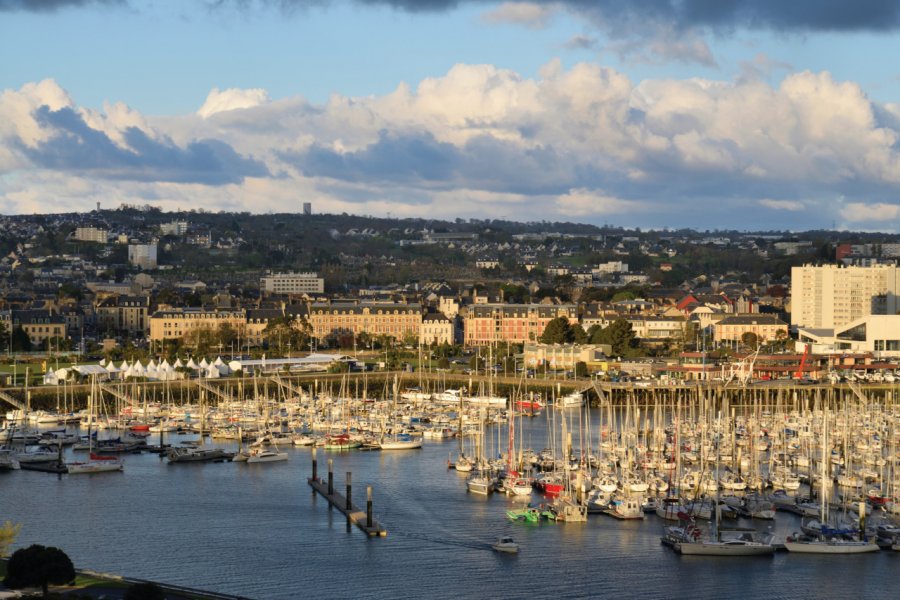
145 591
38 565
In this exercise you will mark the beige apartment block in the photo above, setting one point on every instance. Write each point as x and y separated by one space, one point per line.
831 296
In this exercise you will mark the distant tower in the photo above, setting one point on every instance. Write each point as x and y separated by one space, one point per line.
307 208
98 206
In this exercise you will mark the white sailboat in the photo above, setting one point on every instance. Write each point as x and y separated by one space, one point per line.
824 543
95 462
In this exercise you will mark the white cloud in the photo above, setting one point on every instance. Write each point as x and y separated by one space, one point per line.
860 212
583 141
231 99
789 205
589 203
527 14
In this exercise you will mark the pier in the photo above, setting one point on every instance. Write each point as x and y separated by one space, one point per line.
214 392
362 519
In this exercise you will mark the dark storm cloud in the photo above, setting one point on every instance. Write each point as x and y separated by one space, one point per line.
421 161
50 5
782 15
719 15
75 146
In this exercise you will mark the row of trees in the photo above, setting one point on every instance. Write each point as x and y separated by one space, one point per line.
618 334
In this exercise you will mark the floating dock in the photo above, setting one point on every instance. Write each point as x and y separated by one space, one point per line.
361 518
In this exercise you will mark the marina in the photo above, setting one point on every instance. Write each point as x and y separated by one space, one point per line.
571 466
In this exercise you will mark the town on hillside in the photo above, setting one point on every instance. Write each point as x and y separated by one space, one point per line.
137 284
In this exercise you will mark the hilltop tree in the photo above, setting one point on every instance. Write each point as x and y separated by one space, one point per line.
38 565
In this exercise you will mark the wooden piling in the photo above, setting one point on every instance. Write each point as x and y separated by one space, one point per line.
349 488
364 520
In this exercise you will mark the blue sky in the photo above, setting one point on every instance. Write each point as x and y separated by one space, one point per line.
645 113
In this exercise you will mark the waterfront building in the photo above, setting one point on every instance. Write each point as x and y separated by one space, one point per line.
766 328
566 356
329 319
123 314
436 329
176 323
292 283
657 328
878 335
40 325
485 324
831 296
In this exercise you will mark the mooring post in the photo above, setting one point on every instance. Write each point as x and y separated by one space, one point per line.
369 519
349 503
331 477
315 473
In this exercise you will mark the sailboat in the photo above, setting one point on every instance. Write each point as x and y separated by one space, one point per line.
95 463
829 541
744 544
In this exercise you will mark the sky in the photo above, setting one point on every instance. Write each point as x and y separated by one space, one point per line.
710 114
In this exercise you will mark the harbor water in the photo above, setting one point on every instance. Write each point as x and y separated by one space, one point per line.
259 531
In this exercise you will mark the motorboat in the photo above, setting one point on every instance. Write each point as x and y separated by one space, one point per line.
265 455
506 544
189 455
9 460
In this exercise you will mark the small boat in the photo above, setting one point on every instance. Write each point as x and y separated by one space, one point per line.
506 544
9 460
260 455
401 443
189 455
480 484
96 464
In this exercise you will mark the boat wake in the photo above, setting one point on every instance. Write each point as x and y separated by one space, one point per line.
445 541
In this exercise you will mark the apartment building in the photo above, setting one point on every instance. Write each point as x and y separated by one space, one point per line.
766 328
519 323
375 319
142 255
177 322
292 283
830 296
91 234
123 314
436 329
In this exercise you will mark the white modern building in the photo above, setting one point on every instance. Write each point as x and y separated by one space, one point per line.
292 283
877 334
830 296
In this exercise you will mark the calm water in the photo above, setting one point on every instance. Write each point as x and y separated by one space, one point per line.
258 531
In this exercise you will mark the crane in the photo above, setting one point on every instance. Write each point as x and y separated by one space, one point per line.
799 373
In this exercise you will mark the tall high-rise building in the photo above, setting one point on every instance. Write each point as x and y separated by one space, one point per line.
830 296
307 208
